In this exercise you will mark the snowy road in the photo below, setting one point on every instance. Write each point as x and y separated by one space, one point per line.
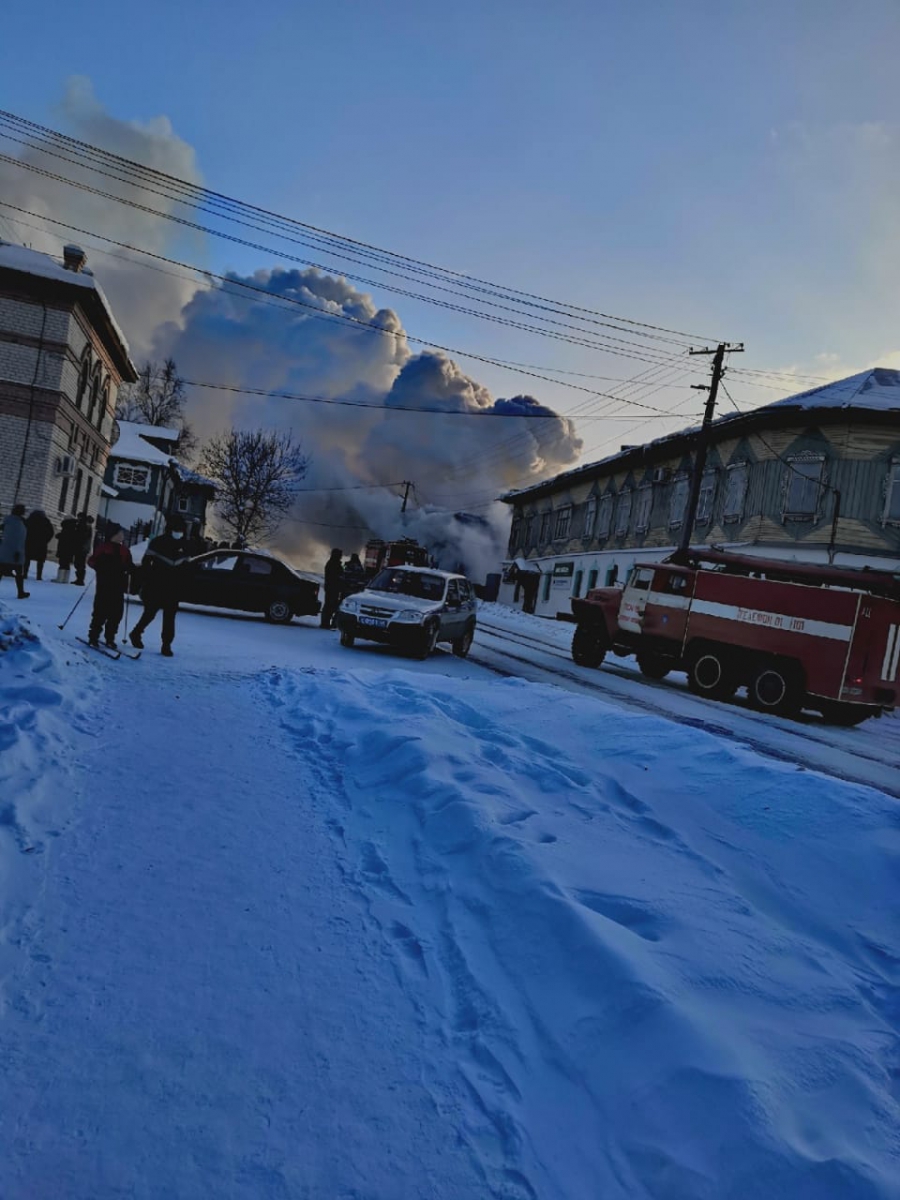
538 650
281 920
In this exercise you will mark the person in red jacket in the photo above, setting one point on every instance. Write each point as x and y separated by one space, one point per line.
111 562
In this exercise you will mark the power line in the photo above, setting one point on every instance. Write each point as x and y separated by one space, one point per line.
38 133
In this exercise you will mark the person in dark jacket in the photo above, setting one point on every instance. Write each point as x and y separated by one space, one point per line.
160 571
38 536
12 548
354 577
84 544
111 562
333 576
66 541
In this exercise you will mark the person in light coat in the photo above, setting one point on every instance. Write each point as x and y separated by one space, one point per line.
12 548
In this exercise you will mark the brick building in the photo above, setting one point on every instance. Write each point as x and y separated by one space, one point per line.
62 359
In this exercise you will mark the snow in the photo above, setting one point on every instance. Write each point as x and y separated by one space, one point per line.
876 390
133 445
281 919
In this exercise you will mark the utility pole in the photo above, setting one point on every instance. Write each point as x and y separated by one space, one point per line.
718 370
406 485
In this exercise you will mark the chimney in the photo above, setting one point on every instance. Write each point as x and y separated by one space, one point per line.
74 258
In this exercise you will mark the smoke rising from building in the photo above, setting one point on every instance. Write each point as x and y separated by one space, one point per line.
284 341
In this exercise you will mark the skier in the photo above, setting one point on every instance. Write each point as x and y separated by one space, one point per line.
66 541
12 548
112 563
39 534
333 576
84 543
163 558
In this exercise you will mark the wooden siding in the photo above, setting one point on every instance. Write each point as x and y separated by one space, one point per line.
857 461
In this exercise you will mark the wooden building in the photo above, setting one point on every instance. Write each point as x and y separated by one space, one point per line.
815 477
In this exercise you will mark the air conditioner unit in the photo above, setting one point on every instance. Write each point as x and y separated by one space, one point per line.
65 465
661 474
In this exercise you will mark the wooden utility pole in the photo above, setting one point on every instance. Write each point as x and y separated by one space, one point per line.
406 485
718 370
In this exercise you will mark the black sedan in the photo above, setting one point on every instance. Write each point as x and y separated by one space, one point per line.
250 580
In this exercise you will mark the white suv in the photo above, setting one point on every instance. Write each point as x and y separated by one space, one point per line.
412 608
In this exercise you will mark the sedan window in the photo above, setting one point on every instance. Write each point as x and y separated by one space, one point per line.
255 566
219 562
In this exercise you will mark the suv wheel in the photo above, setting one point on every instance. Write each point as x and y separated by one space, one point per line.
429 640
279 612
347 639
462 645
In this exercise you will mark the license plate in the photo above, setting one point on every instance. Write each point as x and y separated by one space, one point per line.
376 621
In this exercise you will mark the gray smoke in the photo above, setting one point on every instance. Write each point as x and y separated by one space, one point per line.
241 339
287 340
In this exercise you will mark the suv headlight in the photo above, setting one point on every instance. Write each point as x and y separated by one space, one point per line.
410 616
350 605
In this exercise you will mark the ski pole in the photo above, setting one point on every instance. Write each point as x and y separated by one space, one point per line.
75 605
125 638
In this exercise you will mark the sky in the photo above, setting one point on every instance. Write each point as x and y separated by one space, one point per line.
728 170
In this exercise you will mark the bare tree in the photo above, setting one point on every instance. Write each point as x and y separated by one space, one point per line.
158 398
257 473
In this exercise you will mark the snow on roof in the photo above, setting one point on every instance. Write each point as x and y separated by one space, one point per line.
33 262
132 444
162 434
188 475
875 390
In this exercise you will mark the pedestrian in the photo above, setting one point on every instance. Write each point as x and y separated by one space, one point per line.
160 581
12 548
333 576
66 541
38 536
112 564
84 544
353 578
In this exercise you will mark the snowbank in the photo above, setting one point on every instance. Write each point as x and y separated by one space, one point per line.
665 967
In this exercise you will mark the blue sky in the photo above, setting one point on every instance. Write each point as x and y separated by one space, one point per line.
732 169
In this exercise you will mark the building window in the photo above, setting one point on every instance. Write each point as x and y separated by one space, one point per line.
892 496
576 584
130 476
678 498
592 580
545 528
184 504
83 381
612 575
95 396
802 488
623 513
563 523
707 497
548 579
590 517
513 536
104 405
79 477
529 529
63 494
643 509
605 515
736 480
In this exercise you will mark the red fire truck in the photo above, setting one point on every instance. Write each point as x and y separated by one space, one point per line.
796 635
404 552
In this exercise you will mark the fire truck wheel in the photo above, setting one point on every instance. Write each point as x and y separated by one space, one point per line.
588 646
775 688
710 675
653 666
347 639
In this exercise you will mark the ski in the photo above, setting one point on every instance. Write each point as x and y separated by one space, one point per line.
104 650
134 656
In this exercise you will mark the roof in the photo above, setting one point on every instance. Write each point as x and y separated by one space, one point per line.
871 392
134 446
424 571
187 475
23 261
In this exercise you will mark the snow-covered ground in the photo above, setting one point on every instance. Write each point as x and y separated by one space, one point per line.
279 919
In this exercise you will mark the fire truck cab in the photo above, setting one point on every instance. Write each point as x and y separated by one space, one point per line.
795 635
